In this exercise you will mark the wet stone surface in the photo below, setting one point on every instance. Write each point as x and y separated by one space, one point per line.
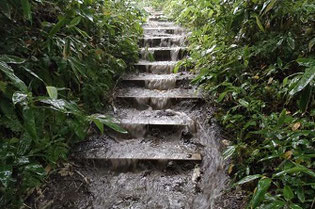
170 158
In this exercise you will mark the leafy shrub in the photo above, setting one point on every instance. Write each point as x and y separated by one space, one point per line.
256 59
58 61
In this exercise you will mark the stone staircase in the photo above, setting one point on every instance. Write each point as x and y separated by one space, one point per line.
170 157
145 101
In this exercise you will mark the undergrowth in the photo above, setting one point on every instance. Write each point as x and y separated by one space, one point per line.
256 59
58 61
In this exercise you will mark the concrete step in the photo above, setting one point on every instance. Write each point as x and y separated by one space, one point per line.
167 41
163 30
157 99
176 93
160 18
138 149
152 24
146 123
157 67
161 82
163 53
152 117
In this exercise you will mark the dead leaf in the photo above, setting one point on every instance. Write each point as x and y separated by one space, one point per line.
48 169
288 154
98 51
296 126
226 142
66 171
231 168
270 80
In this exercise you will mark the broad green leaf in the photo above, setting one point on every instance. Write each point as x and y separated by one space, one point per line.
222 96
87 15
5 8
306 62
300 194
10 116
244 103
8 71
99 124
261 27
10 59
63 106
5 175
249 124
295 206
24 145
305 98
52 92
248 179
33 74
82 32
108 121
229 152
33 175
74 22
77 67
20 97
29 122
291 42
295 170
114 126
270 6
78 126
262 188
36 169
282 117
62 21
66 49
121 63
311 44
276 204
307 77
287 193
26 9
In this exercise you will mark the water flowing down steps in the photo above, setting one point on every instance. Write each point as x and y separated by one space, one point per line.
157 67
169 158
163 41
163 30
138 93
128 150
163 53
158 88
160 82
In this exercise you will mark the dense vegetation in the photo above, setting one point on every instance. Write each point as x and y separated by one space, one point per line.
58 62
256 59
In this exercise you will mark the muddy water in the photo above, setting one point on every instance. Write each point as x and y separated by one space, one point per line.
139 173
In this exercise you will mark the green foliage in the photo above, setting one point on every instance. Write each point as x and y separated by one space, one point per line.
256 59
58 62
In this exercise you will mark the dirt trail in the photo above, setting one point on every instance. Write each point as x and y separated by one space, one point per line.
170 158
